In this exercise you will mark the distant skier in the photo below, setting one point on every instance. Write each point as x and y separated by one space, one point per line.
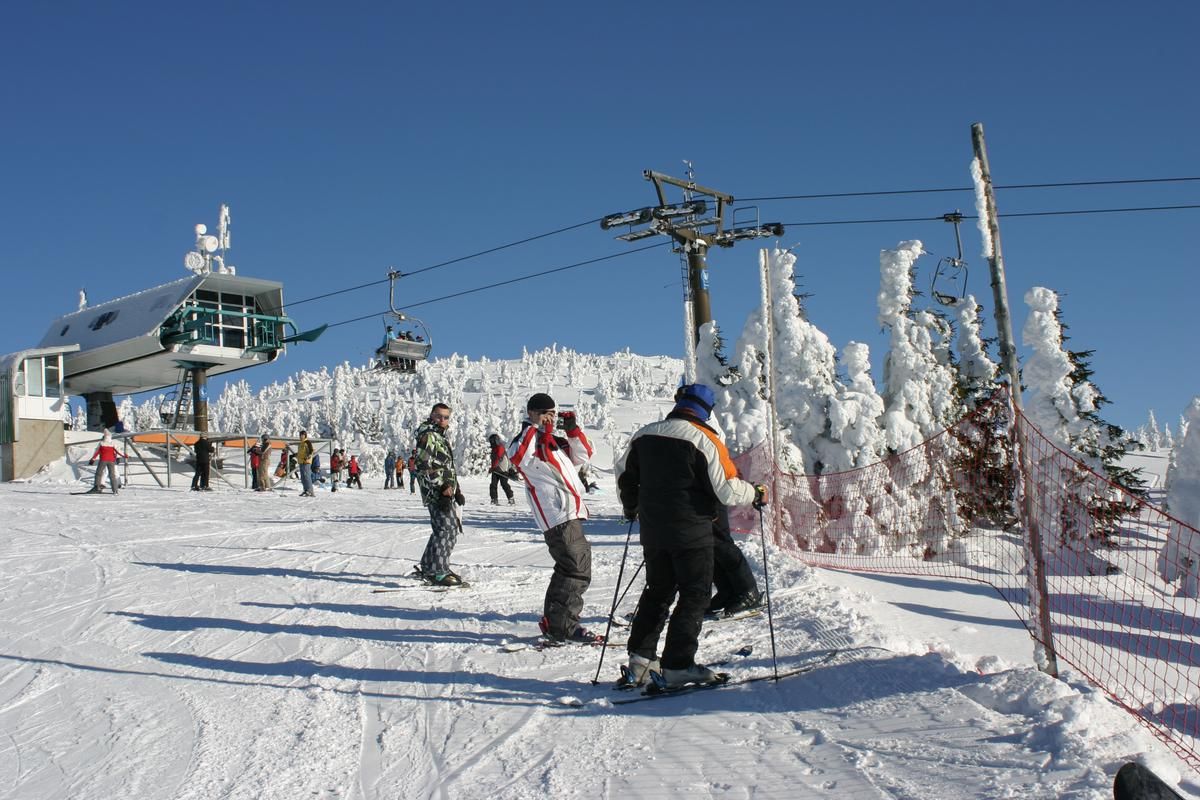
354 470
439 489
335 469
264 464
203 451
412 473
256 457
106 451
548 465
675 476
502 471
389 470
304 457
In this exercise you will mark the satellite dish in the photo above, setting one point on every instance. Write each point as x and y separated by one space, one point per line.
201 229
193 261
210 244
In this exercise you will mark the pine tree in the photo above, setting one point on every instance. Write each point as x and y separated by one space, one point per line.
1179 560
1063 404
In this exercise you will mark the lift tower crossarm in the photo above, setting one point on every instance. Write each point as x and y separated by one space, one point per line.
659 178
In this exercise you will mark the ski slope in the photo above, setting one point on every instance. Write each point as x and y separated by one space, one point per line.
170 644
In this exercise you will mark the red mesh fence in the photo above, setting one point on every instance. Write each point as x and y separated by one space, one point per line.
1121 576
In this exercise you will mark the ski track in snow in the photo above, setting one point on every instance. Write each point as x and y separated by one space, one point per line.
162 644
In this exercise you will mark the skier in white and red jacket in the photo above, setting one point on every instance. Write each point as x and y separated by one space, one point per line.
106 451
548 465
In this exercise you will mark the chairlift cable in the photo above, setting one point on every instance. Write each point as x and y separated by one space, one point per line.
451 261
498 284
1058 185
576 226
939 218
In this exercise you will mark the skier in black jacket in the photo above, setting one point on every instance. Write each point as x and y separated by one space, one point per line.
675 477
203 450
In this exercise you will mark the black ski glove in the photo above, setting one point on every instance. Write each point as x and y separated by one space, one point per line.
630 514
760 496
458 498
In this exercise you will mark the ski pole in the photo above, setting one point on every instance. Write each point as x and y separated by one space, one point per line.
613 610
762 530
628 586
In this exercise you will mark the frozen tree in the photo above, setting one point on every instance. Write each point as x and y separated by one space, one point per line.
1153 435
712 366
1062 403
919 510
741 406
805 370
854 438
918 388
976 370
1179 560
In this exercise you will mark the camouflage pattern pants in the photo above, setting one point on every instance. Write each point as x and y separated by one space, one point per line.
436 558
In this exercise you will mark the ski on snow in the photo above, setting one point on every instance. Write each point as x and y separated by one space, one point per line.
428 587
542 643
1135 782
655 691
626 620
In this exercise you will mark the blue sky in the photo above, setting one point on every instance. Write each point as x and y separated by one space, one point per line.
352 139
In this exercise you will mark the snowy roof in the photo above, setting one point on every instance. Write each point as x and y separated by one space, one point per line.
141 313
9 361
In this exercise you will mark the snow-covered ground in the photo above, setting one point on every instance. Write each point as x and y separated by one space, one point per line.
168 644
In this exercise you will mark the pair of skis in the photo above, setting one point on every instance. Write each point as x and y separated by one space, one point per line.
709 619
544 643
657 688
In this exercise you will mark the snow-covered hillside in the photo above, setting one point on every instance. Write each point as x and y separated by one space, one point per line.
168 644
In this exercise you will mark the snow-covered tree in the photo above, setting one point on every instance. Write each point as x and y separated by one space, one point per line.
918 512
1062 402
1153 435
853 437
919 388
806 382
1179 560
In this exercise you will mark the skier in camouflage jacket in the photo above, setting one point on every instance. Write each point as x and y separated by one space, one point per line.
439 489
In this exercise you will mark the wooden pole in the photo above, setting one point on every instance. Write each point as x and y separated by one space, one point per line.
1039 592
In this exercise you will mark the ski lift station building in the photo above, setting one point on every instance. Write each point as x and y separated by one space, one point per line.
173 335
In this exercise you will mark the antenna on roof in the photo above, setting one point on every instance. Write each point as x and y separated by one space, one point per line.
201 260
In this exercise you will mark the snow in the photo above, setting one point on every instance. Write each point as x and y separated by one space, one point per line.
169 644
981 209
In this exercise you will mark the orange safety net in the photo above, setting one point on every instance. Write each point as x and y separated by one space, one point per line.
1120 575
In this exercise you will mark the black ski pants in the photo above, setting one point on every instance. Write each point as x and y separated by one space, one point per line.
731 571
670 571
502 480
572 554
200 479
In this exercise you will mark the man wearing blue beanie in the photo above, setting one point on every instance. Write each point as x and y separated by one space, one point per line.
675 477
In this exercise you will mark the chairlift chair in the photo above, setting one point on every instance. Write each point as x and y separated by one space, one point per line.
950 273
409 340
